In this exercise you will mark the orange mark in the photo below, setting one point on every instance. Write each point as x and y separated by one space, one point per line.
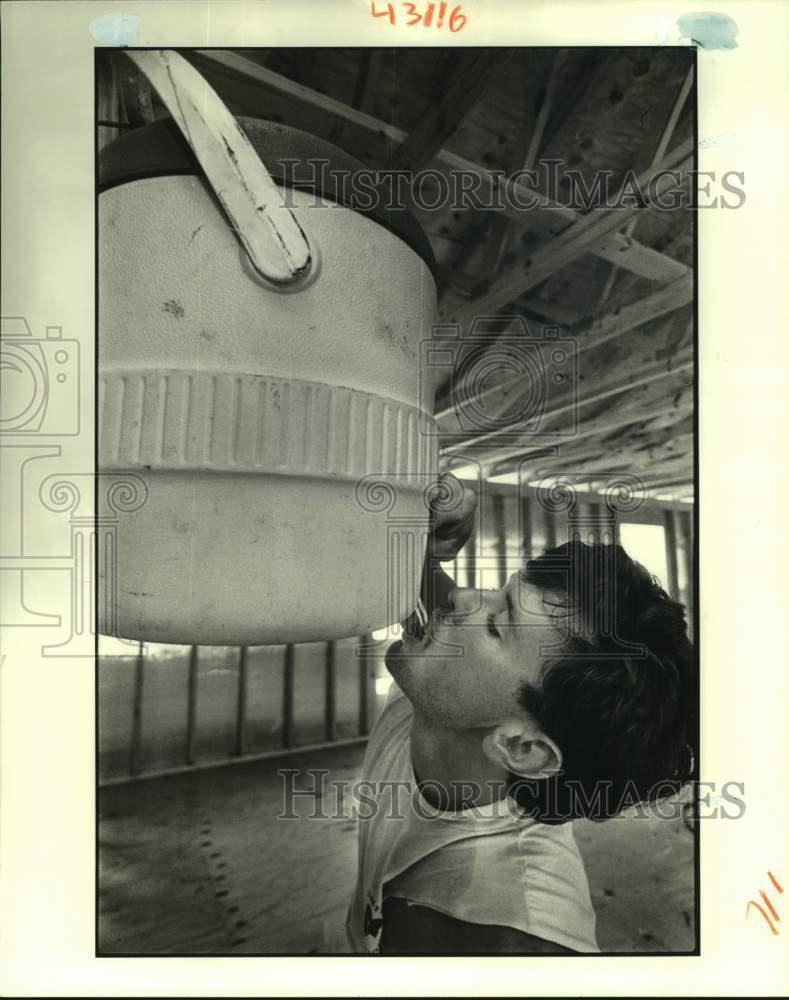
775 881
769 922
770 906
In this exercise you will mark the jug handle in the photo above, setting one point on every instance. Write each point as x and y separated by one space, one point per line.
267 229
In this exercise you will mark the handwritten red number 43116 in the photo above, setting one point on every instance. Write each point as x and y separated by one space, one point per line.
432 16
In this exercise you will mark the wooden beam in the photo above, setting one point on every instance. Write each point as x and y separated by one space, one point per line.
658 304
546 109
675 439
475 71
671 444
595 430
592 496
665 300
563 313
594 479
656 484
475 235
599 470
628 254
668 113
531 138
556 253
582 91
668 244
684 524
648 467
554 119
672 583
109 101
367 77
647 375
467 286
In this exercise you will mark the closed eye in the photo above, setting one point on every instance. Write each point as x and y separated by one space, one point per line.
492 627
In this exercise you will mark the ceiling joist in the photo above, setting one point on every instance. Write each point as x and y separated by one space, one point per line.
579 238
670 110
474 73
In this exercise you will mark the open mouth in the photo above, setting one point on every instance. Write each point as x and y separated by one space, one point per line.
417 634
419 631
420 628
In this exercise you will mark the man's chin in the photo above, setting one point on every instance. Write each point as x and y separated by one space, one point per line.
400 656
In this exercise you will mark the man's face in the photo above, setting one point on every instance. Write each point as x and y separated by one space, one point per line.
467 671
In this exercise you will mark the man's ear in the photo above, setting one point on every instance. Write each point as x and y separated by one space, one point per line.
523 749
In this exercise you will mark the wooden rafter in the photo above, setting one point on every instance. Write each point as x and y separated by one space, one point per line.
532 138
668 113
474 73
674 440
649 374
596 428
579 238
367 77
536 134
660 303
668 245
667 459
675 437
570 103
563 313
679 484
665 300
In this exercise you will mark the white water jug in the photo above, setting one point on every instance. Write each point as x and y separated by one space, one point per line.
282 434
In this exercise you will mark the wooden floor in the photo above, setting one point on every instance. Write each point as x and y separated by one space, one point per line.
199 864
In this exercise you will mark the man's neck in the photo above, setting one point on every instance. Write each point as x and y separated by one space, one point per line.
451 768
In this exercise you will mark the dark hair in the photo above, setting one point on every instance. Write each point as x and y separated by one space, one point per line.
618 693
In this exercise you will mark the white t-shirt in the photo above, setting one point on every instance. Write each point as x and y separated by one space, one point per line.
485 865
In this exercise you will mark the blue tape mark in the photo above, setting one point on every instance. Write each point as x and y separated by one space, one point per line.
115 29
709 31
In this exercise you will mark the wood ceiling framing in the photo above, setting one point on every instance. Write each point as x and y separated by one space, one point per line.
617 283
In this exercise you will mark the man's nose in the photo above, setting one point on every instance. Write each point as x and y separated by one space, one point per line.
465 600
